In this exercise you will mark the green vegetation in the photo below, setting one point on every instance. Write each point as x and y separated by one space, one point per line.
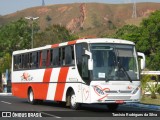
149 100
17 36
149 83
146 38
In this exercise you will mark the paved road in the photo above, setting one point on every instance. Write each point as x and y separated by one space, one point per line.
57 111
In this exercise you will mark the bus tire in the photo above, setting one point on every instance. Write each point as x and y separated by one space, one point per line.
112 106
73 104
31 99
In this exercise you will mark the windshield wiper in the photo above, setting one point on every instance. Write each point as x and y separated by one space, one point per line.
123 69
120 66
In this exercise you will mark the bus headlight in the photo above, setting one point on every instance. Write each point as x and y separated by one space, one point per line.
135 90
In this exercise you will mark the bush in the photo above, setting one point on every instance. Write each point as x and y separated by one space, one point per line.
158 89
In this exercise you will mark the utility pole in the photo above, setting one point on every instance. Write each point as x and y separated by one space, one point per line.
43 3
134 14
32 19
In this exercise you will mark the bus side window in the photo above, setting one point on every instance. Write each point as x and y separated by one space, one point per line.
40 59
56 57
51 57
23 61
82 62
48 58
44 58
69 55
73 58
15 62
63 62
19 62
35 59
30 60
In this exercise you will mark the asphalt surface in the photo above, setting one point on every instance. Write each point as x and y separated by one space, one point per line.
17 108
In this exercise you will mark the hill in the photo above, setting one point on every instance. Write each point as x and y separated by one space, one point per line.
86 18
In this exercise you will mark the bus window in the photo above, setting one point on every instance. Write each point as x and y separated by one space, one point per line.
51 57
44 58
73 60
82 61
30 60
68 55
48 58
15 62
40 57
23 61
19 62
56 57
34 60
63 56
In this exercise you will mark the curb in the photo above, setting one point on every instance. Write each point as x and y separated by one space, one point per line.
5 94
153 107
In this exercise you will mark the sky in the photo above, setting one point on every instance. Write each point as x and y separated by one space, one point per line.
11 6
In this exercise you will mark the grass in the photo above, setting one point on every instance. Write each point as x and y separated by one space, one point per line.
148 100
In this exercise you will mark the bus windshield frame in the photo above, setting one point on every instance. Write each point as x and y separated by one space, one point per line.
114 62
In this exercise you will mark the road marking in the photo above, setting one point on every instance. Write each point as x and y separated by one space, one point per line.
6 102
50 115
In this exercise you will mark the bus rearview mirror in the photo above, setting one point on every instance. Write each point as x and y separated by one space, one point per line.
142 59
90 64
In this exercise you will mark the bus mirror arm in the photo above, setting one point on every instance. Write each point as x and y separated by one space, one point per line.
88 53
143 59
90 60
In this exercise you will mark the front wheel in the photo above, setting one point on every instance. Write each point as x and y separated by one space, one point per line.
73 104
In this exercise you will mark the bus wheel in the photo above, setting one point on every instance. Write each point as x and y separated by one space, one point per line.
31 97
73 104
112 106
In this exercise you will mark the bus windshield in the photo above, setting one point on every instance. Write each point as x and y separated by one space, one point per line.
114 62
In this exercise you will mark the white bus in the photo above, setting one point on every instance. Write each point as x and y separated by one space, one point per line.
92 71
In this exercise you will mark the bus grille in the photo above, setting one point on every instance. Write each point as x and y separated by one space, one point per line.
118 97
120 91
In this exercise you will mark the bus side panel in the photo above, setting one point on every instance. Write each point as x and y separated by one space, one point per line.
39 89
19 90
74 82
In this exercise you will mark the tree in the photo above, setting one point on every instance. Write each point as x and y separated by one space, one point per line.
128 32
5 62
14 36
150 39
146 38
53 34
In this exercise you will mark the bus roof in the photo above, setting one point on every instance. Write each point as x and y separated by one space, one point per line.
88 40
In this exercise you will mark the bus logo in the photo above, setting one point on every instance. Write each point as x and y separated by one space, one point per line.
26 77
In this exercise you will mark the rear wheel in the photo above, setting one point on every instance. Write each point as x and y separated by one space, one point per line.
31 99
112 106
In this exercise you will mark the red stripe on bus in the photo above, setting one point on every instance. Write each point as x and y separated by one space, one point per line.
46 79
61 83
21 90
54 45
72 42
